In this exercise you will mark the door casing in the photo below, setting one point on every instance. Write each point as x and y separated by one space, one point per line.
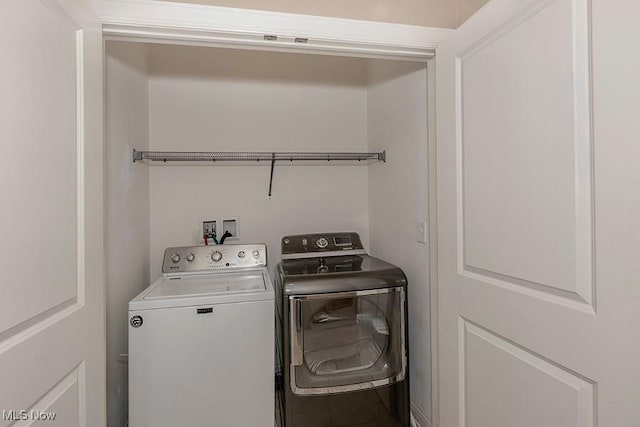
172 23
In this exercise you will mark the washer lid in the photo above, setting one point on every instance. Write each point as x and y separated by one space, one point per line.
201 285
205 289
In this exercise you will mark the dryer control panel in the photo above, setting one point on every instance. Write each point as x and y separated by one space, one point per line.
319 243
202 259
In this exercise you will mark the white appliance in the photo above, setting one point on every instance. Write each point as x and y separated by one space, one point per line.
201 341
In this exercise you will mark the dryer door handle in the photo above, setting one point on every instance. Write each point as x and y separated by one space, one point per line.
296 332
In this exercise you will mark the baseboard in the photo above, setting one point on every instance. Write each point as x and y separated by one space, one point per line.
418 417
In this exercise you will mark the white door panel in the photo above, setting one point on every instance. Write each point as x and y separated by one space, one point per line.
493 368
51 313
525 163
536 232
39 164
518 157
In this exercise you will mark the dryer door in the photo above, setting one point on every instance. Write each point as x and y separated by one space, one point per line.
347 341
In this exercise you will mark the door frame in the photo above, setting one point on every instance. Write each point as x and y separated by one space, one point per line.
192 24
150 21
433 239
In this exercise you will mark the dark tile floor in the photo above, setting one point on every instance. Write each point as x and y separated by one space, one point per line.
358 410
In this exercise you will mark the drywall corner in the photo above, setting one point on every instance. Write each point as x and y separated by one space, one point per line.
127 207
398 198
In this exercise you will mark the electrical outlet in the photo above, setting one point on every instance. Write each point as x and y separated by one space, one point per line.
421 232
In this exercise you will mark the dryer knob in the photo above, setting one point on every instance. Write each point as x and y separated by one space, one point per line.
175 258
191 257
255 253
216 256
322 243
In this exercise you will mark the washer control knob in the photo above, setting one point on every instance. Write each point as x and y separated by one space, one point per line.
191 257
322 243
241 254
216 256
175 258
255 253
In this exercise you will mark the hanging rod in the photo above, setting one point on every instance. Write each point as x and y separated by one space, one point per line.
214 156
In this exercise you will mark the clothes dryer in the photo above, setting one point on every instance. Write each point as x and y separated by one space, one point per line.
342 334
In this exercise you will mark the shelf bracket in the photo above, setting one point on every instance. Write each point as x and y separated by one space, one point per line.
137 155
273 165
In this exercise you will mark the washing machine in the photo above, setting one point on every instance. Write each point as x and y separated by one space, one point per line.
201 341
341 334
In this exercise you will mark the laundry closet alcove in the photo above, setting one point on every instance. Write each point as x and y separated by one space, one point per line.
203 99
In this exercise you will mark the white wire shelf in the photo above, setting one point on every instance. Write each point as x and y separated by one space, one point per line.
230 156
245 156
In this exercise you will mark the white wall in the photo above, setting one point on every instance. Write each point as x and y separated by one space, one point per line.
236 100
428 13
466 8
127 216
397 122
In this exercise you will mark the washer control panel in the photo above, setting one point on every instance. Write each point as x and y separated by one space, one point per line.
193 259
320 242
